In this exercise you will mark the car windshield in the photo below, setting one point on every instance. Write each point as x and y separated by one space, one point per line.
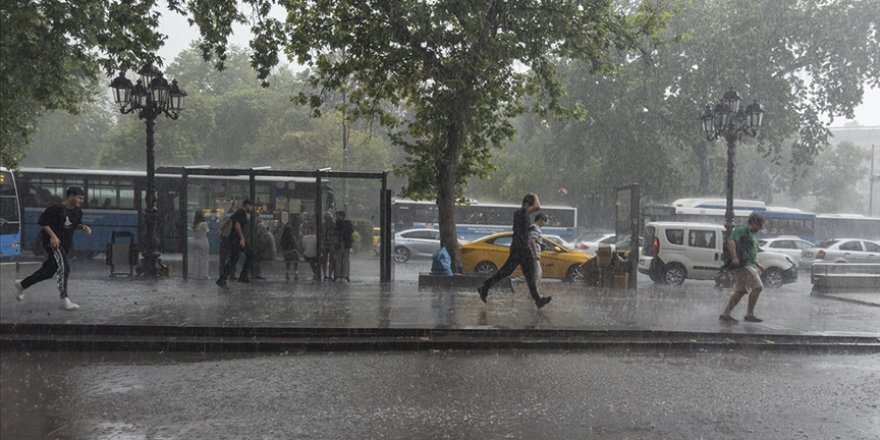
593 236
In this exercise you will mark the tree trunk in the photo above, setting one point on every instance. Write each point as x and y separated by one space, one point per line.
701 150
446 178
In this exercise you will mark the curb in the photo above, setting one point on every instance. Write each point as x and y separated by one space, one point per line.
37 337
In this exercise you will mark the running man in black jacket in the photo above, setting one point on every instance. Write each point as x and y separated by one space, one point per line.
58 222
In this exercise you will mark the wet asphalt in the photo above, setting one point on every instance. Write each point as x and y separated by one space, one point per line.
446 394
629 391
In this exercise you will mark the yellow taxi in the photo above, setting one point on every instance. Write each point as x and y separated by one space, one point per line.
487 254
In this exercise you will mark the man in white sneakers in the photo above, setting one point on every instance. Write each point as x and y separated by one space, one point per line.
58 222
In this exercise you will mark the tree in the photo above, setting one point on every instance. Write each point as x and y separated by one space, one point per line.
805 61
455 66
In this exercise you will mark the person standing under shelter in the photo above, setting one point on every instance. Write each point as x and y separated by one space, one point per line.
520 253
57 224
746 273
200 246
310 251
328 247
237 242
344 236
289 247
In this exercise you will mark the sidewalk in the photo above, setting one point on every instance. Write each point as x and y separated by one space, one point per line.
198 308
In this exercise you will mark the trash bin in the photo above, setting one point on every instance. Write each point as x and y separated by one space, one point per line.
120 252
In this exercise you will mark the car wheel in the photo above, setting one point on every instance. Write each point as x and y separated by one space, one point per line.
773 277
675 274
486 267
574 274
401 254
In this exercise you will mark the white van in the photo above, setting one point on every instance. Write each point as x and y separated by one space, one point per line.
675 251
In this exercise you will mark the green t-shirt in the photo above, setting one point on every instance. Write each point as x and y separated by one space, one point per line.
743 236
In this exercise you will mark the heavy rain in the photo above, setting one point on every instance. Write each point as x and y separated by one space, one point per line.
437 219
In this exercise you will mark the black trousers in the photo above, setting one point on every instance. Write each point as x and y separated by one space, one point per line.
524 261
232 261
56 265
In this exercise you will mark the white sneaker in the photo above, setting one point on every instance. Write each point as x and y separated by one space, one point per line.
19 290
68 305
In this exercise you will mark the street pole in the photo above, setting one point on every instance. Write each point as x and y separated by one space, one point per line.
344 155
150 97
731 169
152 264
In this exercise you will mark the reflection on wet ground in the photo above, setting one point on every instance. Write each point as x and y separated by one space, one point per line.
612 394
363 303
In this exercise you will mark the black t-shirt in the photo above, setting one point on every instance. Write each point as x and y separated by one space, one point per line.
239 217
63 222
521 224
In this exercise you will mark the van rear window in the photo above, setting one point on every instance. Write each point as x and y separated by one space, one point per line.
675 236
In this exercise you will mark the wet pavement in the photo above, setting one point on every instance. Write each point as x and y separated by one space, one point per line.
535 394
365 304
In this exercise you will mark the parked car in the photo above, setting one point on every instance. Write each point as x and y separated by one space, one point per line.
676 251
415 243
590 242
842 250
790 245
487 254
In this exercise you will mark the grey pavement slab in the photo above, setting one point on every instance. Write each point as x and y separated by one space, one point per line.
403 305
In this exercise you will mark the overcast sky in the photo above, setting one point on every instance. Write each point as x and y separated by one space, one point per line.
180 35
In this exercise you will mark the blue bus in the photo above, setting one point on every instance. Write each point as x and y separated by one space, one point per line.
10 216
476 219
778 220
115 198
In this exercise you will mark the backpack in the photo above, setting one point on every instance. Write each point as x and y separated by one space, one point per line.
742 253
441 262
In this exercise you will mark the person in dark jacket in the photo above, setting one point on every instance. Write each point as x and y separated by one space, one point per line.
57 223
290 249
237 242
520 252
344 236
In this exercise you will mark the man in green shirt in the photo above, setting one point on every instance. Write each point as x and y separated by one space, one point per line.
748 278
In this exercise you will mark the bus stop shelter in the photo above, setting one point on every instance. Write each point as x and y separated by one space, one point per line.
320 176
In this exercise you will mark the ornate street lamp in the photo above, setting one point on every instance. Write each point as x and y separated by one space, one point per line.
150 97
729 121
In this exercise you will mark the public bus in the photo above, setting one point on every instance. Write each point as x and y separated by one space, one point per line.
778 220
10 216
830 226
476 219
115 200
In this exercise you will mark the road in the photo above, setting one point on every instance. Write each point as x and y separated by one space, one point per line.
442 394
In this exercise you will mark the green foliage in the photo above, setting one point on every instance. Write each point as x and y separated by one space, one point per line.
805 61
53 51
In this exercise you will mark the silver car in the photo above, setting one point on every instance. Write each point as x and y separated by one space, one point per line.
790 245
842 250
415 243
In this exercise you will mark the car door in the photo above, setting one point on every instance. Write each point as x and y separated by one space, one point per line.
704 252
851 251
872 251
787 247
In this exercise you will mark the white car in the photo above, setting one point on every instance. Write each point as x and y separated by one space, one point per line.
415 243
843 250
676 251
790 245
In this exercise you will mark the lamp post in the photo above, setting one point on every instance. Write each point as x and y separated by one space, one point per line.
729 121
150 97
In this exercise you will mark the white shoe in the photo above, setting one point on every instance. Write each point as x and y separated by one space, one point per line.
19 290
68 305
